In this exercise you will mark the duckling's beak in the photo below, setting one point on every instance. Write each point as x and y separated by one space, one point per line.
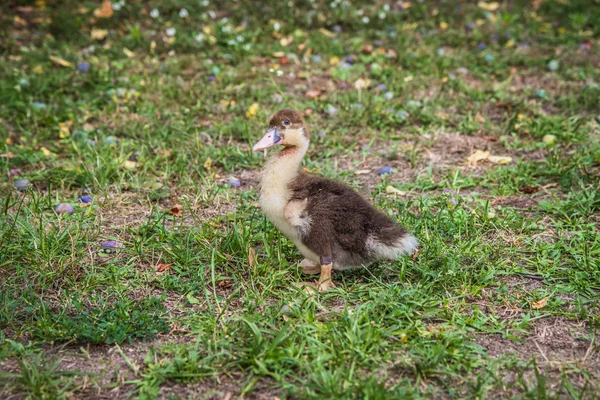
271 138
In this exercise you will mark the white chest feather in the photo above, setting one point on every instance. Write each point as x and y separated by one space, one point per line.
275 196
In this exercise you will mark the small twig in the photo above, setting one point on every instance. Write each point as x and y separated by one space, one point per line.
530 276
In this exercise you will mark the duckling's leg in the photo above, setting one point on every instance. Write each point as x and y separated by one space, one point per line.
325 281
310 267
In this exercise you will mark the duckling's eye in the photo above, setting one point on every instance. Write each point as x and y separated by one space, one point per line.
286 122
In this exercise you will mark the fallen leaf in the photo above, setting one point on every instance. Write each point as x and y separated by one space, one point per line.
286 41
130 164
162 267
529 189
335 60
278 54
225 284
61 62
491 6
20 21
128 52
98 34
326 32
540 304
479 155
208 163
392 190
252 110
46 152
64 131
312 94
251 257
501 160
415 255
105 10
176 210
38 69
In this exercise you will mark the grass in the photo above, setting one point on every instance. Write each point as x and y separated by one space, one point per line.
500 302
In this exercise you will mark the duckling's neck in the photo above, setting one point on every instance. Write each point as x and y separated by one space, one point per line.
282 168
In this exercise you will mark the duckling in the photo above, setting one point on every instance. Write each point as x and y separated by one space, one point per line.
333 226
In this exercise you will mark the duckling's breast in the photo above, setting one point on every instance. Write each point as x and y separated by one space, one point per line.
273 200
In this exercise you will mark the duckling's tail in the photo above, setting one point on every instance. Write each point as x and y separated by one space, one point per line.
391 243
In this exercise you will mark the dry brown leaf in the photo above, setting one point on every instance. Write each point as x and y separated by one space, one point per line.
251 257
540 304
479 155
312 94
98 34
105 10
225 284
529 189
160 268
176 210
415 255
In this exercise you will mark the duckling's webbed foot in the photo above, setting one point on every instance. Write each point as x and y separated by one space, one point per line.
310 267
324 283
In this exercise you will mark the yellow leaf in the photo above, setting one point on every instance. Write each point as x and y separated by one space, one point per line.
208 163
286 41
335 60
98 34
128 52
408 78
252 110
130 164
392 190
510 43
207 30
478 156
64 131
491 6
540 304
38 69
46 152
20 21
61 62
443 25
105 10
326 32
502 160
278 54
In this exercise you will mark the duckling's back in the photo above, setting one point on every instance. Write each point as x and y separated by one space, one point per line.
359 234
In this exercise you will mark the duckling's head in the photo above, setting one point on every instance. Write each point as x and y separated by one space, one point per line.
286 128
